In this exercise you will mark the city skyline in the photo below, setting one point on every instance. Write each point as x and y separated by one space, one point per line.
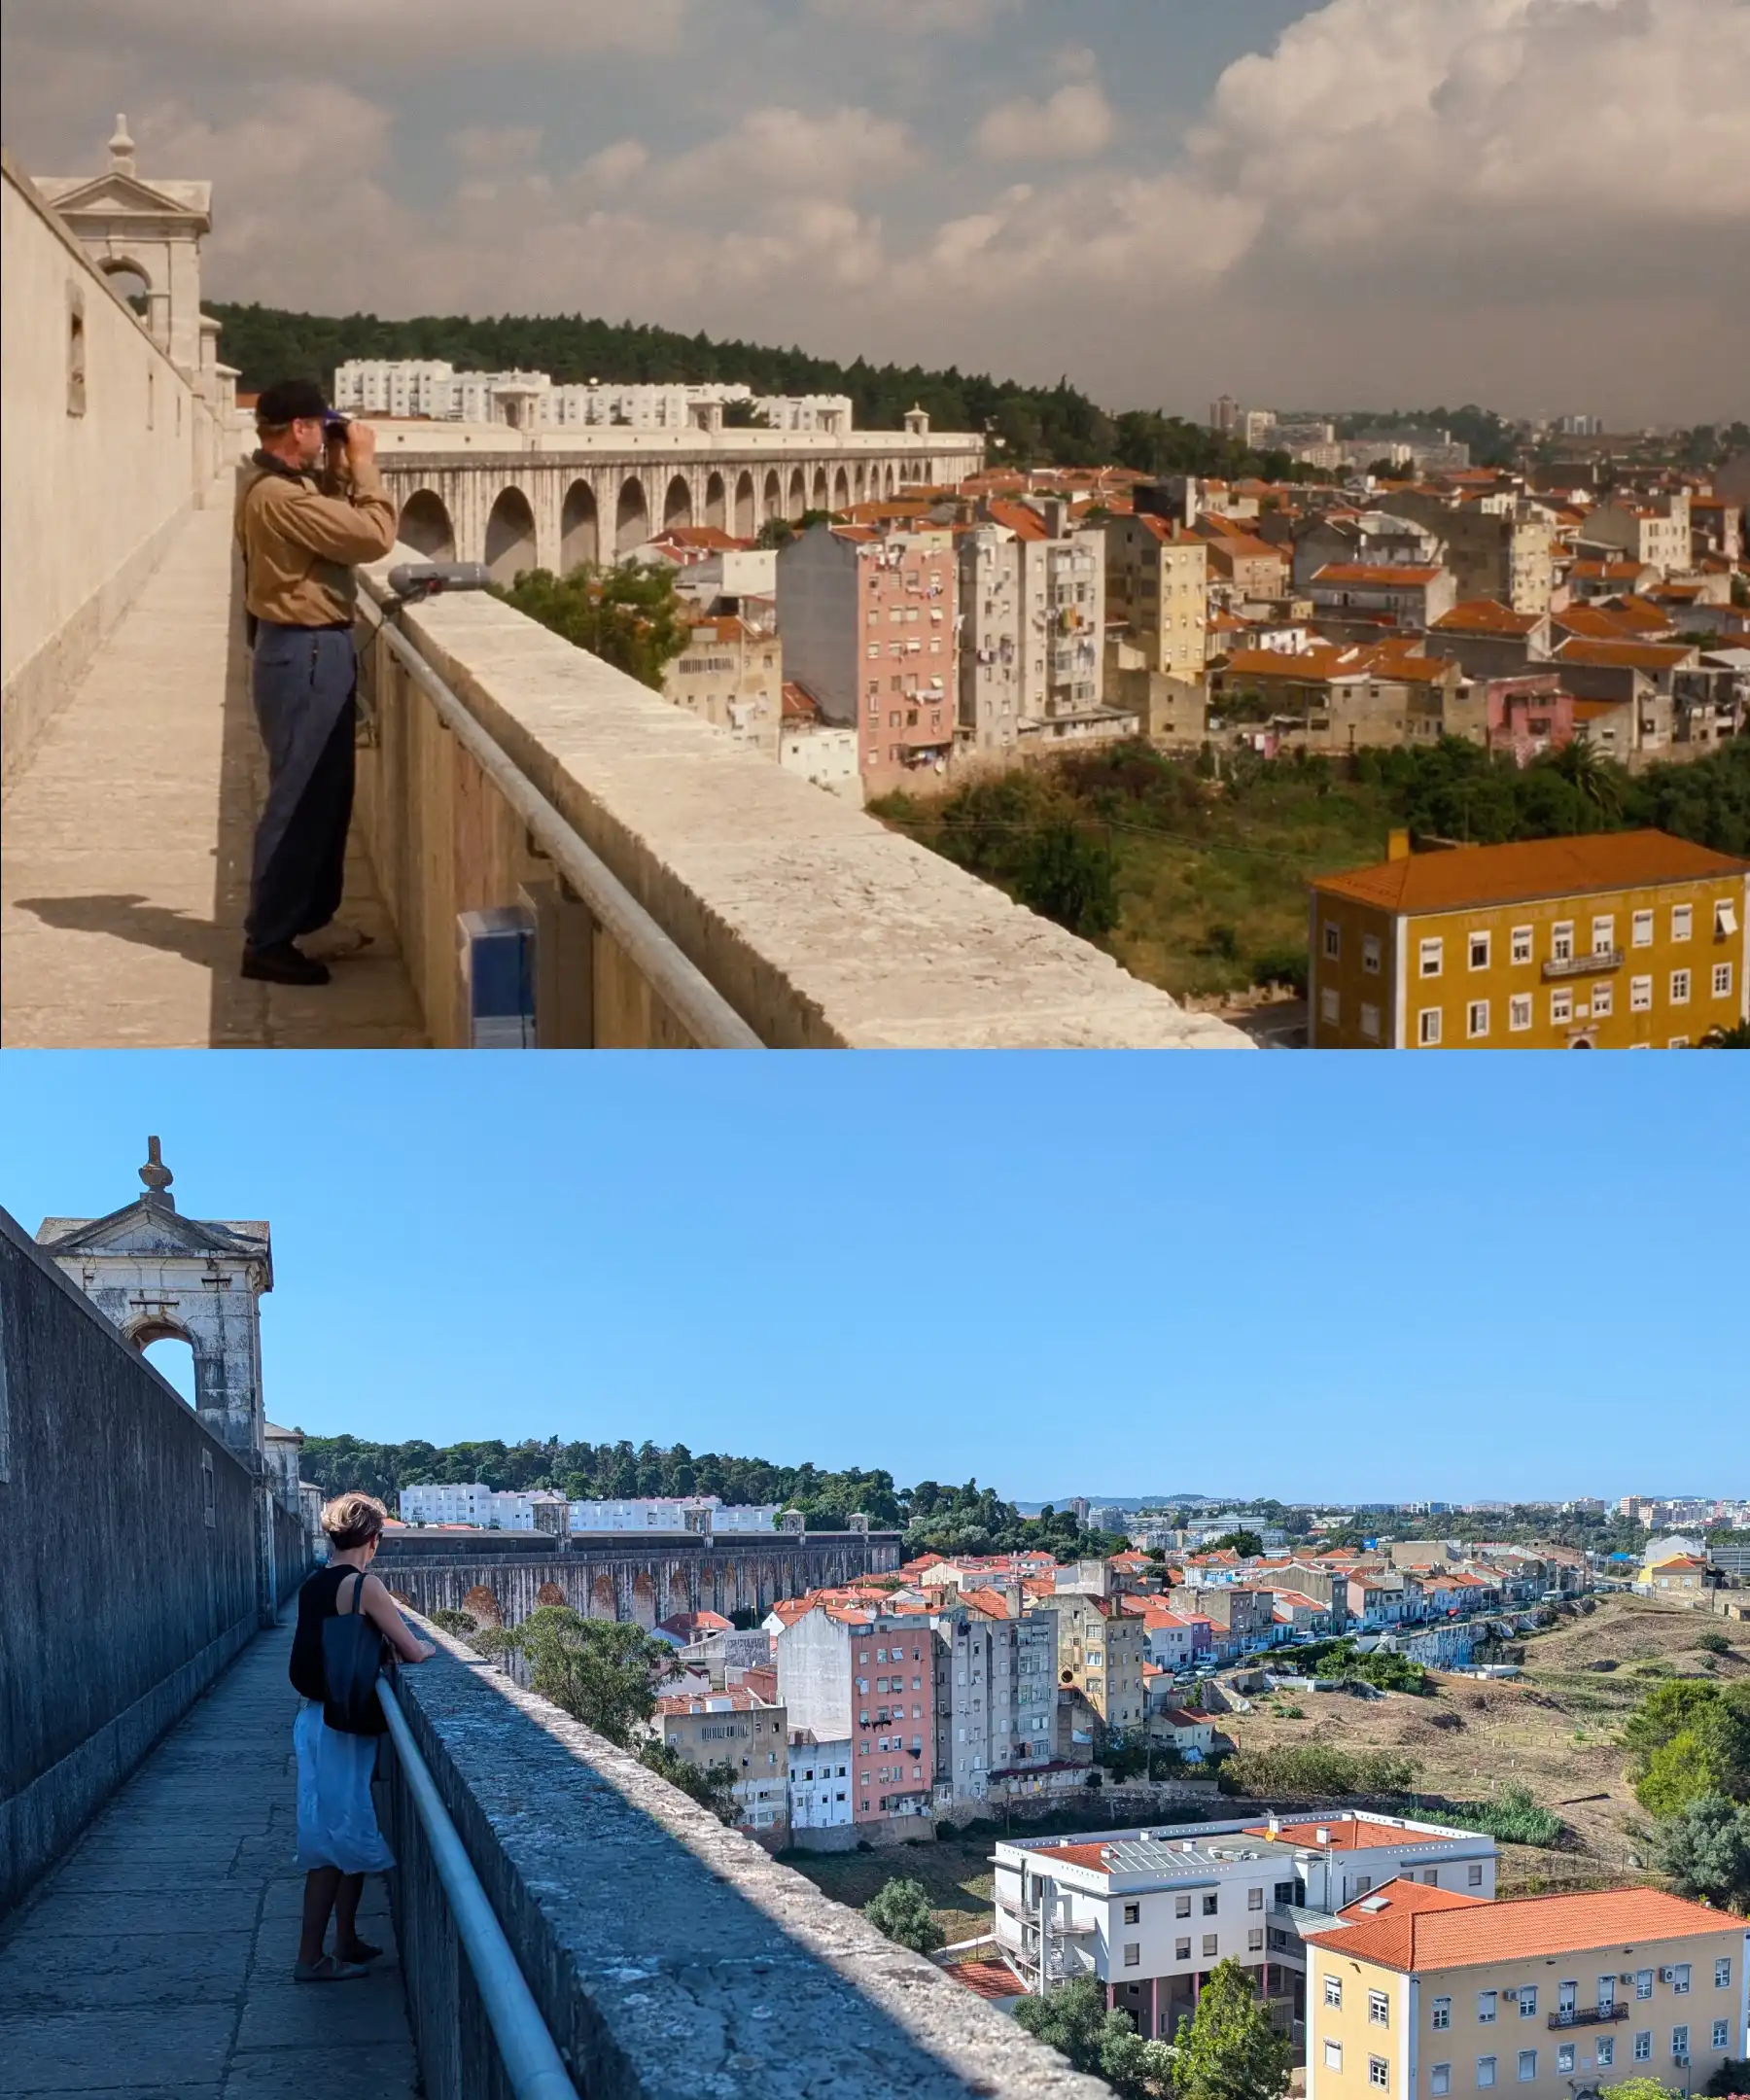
803 170
673 1254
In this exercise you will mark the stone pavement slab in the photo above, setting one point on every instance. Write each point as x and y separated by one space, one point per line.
124 846
155 1962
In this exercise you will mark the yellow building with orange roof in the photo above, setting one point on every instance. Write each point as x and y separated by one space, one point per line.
1612 941
1420 1993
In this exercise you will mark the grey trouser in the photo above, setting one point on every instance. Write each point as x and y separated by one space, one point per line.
302 681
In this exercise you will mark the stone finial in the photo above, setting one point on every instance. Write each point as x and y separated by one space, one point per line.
121 147
157 1176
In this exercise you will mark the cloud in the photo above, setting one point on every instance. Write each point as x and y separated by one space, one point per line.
915 17
1076 123
786 150
496 146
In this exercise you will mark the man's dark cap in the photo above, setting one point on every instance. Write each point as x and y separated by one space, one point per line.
291 400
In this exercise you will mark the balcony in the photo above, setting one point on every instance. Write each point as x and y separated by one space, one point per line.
1589 2016
1584 965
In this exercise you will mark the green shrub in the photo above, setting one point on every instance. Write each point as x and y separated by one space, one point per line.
1512 1817
1712 1643
901 1911
1315 1770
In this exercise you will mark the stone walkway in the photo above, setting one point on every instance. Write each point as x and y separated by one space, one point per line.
125 848
155 1963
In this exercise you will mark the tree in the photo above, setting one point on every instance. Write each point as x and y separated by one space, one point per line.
629 615
1071 878
1732 2076
901 1911
712 1786
1706 1849
1231 2050
1688 1744
1247 1545
1641 2088
600 1671
1073 2019
1735 1038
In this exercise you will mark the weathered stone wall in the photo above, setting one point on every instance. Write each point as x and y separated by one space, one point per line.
669 1956
121 1601
636 1579
95 478
820 927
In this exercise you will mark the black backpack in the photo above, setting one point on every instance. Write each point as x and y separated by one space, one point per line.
352 1660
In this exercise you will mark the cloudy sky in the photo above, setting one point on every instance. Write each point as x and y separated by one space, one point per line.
1540 204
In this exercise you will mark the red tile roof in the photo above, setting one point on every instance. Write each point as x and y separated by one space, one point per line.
992 1980
1421 1929
1648 656
1479 875
1381 574
1485 616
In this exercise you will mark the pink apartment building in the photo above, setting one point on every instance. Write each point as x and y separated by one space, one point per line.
868 618
852 1673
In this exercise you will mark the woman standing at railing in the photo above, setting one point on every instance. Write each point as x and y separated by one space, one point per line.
338 1842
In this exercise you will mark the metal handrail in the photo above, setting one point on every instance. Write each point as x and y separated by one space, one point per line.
679 982
531 2062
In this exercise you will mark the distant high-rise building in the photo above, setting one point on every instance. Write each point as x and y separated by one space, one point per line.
1224 415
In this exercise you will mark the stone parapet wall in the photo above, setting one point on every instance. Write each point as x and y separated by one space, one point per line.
121 1601
94 476
819 927
670 1957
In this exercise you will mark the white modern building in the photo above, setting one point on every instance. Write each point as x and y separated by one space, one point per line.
819 1781
674 1513
472 1502
531 400
1150 1912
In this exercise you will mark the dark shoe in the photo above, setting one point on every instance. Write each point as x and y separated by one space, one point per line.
282 964
357 1950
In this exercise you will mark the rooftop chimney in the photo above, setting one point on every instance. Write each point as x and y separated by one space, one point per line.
1397 847
1322 1834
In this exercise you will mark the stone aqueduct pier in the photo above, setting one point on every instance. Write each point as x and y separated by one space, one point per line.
499 1578
560 499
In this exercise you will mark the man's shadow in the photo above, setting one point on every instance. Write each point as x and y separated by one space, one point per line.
133 919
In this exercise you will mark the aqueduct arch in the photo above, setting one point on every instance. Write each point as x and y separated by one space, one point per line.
424 524
580 528
841 490
509 536
677 503
747 524
772 500
717 502
632 517
798 493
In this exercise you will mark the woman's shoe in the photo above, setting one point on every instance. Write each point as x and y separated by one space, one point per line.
329 1970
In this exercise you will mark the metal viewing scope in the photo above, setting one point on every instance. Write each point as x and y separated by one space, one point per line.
411 582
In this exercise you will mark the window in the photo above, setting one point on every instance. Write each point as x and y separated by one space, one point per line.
1643 1982
1376 2073
1564 2057
1181 1950
1603 936
1440 2078
1443 2012
1522 944
1606 2051
76 350
1432 952
1640 995
1485 2070
1519 1012
1561 1006
1683 919
1370 1023
1642 936
1722 980
1680 2043
1211 1903
1477 1019
1680 1979
1643 2046
1133 1954
1333 2055
1370 954
1601 1002
1211 1943
1527 2001
1723 1973
1378 2008
1478 951
1428 1027
1133 1913
1255 1899
1527 2066
1721 2034
1333 940
1254 1940
1485 2007
1334 1991
1680 988
1181 1907
1561 942
1330 1004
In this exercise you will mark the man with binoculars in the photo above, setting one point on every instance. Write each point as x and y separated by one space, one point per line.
311 505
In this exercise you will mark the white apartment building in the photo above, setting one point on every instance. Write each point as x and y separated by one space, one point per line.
1150 1912
674 1513
472 1502
819 1781
431 387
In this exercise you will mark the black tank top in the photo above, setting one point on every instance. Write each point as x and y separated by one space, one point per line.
316 1602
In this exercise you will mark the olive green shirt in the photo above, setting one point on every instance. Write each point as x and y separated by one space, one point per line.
301 535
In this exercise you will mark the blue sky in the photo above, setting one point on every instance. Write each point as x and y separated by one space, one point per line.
1364 1278
1309 203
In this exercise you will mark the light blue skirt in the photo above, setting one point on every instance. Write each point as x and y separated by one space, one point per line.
336 1817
